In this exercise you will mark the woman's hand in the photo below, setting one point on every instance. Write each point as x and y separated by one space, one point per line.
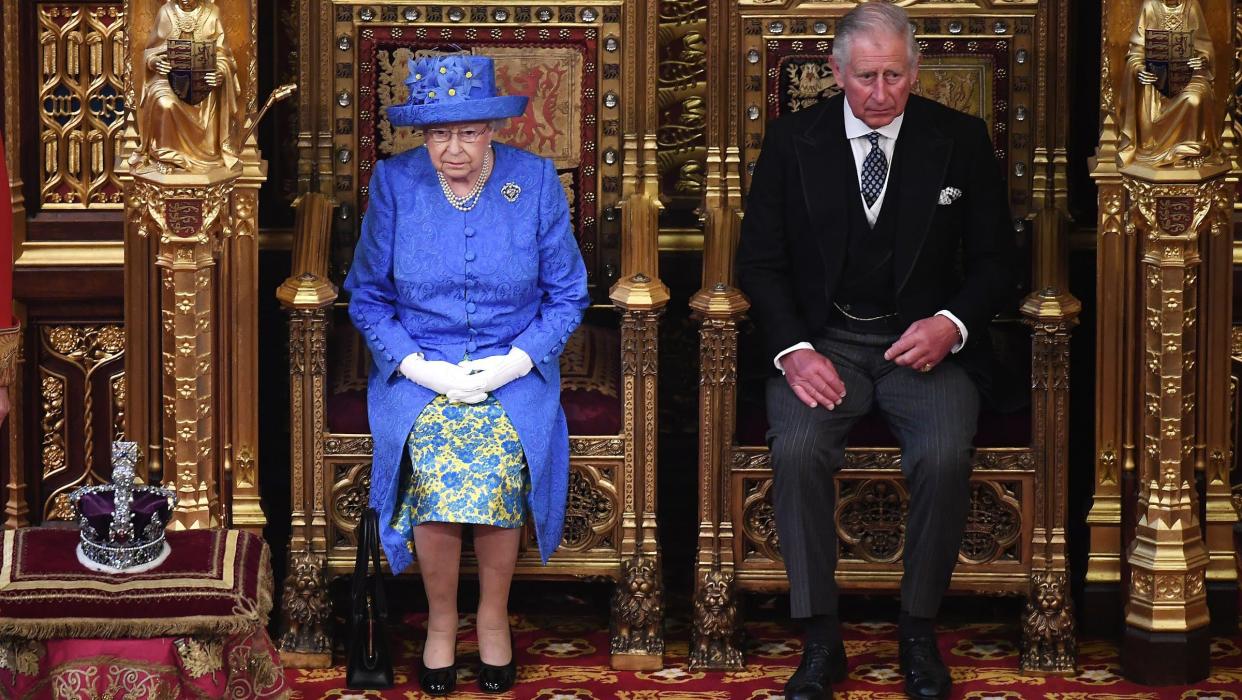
497 371
439 376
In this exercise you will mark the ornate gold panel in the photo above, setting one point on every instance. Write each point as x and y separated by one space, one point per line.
351 485
81 103
871 515
77 369
119 386
592 509
52 425
682 96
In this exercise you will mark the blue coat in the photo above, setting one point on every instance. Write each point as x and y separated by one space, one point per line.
429 278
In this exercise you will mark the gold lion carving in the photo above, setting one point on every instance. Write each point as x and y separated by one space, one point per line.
638 608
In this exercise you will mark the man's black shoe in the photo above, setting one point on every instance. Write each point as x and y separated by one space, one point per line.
821 666
925 674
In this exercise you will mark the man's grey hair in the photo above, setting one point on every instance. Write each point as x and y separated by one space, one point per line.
872 19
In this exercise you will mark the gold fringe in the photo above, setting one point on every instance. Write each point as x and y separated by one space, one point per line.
10 342
112 628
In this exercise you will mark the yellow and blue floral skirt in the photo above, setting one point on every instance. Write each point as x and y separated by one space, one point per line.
466 466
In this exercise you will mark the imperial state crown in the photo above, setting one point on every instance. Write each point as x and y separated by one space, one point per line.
121 524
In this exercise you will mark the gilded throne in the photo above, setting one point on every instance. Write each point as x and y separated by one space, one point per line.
569 59
984 62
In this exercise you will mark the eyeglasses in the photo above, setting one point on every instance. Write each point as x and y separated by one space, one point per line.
469 134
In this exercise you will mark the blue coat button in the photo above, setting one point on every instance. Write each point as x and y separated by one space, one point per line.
547 359
470 307
469 231
472 346
469 255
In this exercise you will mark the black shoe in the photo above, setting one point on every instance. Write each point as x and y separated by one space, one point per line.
821 666
438 681
498 679
925 674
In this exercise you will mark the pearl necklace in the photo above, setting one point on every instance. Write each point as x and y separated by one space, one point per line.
471 198
187 22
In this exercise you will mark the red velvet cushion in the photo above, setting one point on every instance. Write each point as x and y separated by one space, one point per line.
590 381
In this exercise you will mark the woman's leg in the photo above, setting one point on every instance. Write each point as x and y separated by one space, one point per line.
497 549
438 546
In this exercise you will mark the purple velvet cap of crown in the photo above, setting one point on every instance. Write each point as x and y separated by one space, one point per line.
451 89
99 507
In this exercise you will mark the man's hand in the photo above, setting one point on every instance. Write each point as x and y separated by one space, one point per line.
439 376
924 344
213 78
813 378
1146 78
1197 62
162 65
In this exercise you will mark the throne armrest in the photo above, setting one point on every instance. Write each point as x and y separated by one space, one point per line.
308 287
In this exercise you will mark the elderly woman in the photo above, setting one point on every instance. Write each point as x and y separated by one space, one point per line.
466 283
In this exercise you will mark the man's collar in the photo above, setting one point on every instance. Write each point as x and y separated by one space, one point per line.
855 127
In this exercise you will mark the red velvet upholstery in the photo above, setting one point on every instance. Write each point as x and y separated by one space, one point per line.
590 381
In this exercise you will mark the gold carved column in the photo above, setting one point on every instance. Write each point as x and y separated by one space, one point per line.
191 172
719 306
637 628
306 295
1162 366
182 219
1179 217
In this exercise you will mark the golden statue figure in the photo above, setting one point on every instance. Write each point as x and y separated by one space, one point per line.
1168 109
189 113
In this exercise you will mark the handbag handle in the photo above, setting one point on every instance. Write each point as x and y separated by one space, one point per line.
381 604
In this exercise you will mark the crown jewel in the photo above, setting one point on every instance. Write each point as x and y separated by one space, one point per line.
122 525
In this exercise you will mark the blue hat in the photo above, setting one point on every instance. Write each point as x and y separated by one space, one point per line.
455 88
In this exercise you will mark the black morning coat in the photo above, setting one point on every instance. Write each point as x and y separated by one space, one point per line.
951 251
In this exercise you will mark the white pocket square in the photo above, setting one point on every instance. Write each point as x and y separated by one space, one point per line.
949 195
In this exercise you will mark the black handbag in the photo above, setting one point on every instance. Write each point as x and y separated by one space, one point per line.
369 663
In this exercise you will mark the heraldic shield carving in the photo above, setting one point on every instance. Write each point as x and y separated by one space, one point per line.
191 62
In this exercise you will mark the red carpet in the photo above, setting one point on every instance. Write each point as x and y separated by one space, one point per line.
564 656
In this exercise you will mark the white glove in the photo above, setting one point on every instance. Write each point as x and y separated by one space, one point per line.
497 371
439 376
467 396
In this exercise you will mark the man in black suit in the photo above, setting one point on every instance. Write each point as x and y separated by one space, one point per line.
875 248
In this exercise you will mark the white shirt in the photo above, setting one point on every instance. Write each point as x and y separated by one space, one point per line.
856 132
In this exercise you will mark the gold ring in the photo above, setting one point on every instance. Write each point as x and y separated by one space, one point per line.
926 368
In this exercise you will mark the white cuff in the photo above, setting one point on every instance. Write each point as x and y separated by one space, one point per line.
797 346
961 328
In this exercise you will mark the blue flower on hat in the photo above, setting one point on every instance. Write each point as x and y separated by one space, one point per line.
417 81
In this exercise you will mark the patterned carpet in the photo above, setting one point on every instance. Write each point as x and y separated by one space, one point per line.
563 655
